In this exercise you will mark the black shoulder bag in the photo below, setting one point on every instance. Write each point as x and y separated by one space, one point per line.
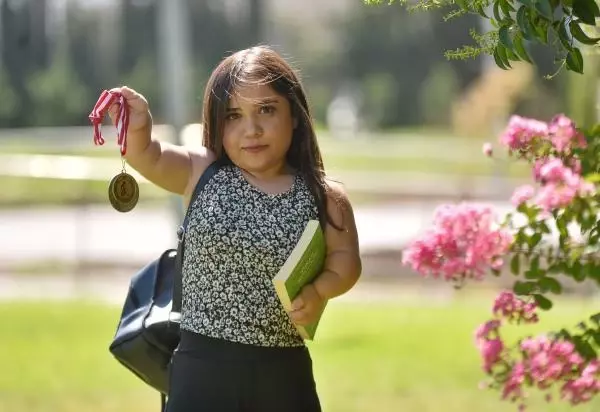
148 330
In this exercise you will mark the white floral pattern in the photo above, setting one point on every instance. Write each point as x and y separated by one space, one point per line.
238 237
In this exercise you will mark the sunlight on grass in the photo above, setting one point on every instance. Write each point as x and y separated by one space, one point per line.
367 357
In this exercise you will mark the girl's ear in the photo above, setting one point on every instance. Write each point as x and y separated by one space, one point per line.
295 122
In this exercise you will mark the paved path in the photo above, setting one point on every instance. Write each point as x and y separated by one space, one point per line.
100 234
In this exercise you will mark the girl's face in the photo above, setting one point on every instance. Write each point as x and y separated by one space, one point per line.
258 130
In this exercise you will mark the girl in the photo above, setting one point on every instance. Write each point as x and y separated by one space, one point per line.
239 349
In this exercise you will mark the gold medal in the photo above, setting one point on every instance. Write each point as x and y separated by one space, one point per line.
123 191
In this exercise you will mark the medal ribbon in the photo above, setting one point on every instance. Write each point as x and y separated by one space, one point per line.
107 99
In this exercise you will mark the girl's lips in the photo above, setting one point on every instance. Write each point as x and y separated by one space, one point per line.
255 149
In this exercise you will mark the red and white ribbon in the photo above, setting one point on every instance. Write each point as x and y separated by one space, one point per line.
107 99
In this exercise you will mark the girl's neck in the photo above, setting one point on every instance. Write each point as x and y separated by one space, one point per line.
270 174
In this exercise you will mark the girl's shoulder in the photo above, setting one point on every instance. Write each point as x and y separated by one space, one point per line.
200 159
339 207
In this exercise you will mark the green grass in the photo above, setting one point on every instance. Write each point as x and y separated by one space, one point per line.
406 152
367 357
19 191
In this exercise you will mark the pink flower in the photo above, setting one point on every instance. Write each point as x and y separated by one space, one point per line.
541 362
522 194
487 149
564 135
549 361
521 131
555 167
554 171
513 387
487 330
584 387
463 243
491 351
554 196
575 165
507 305
561 184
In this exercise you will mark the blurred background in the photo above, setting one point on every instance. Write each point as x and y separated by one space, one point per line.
400 124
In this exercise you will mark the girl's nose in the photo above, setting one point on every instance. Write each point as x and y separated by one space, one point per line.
253 128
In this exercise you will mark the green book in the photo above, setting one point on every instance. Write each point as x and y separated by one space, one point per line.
301 267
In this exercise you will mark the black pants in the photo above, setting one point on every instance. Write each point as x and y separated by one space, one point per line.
212 375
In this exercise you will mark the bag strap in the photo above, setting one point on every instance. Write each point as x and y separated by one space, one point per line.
177 281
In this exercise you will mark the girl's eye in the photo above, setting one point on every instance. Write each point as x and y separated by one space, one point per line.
266 109
232 116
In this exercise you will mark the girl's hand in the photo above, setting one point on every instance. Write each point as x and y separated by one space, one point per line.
140 119
307 306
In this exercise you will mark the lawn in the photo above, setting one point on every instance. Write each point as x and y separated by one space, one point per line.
368 357
395 157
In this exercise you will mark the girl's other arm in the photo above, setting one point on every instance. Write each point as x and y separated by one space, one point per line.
342 267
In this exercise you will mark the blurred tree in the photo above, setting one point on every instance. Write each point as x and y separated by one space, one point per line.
216 32
138 38
401 49
59 96
10 103
440 89
78 52
23 51
256 21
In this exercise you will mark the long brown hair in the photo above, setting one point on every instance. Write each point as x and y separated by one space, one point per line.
263 65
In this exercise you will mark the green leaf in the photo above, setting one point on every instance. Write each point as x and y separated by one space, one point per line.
595 318
577 271
515 264
596 336
559 268
575 60
551 285
586 10
511 55
507 8
545 9
542 302
563 34
580 35
524 288
561 225
524 23
504 36
481 11
526 3
544 227
500 57
584 348
534 240
520 48
541 31
563 333
534 264
496 11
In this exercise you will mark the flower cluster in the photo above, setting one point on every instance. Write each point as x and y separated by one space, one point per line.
560 184
465 242
540 362
513 309
525 136
550 147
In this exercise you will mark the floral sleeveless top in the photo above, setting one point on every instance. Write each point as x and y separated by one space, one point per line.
238 237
